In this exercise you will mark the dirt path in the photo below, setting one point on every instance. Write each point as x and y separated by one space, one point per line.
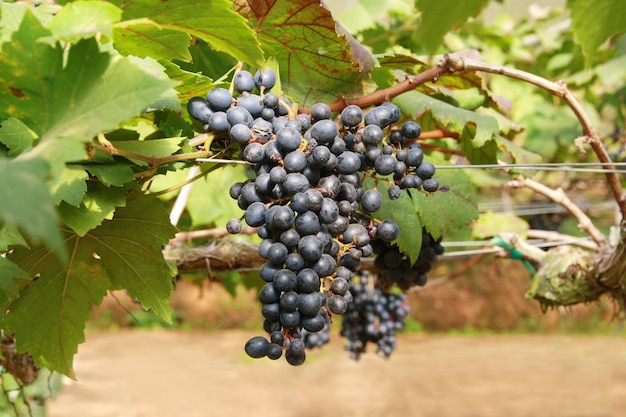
189 374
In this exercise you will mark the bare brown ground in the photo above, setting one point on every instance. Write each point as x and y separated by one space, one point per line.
166 373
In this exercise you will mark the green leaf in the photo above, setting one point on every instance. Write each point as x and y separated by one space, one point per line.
402 211
130 244
216 23
476 130
98 204
190 84
318 60
144 38
84 19
10 236
26 203
9 272
16 136
593 22
70 186
111 174
440 17
49 316
454 209
77 99
13 13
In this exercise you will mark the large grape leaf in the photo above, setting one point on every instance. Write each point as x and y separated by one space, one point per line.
215 22
12 14
9 273
441 16
146 38
26 203
98 204
190 84
449 210
593 22
476 131
49 316
318 59
78 96
84 19
402 211
16 136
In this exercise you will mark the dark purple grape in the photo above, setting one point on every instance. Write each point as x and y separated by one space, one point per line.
269 294
270 100
265 78
254 152
278 174
325 266
425 170
411 130
414 157
219 99
324 131
339 286
372 135
337 304
237 115
233 226
309 304
388 230
257 347
289 301
218 122
296 182
351 116
251 102
243 81
198 108
371 201
240 133
294 261
329 211
385 164
295 359
307 281
285 280
320 111
310 247
295 161
274 351
288 138
307 223
348 162
313 324
394 192
430 184
290 319
290 237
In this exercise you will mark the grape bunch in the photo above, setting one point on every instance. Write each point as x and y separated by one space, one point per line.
395 267
307 199
374 316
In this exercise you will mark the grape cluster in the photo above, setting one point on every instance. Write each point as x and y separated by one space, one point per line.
396 268
374 316
313 214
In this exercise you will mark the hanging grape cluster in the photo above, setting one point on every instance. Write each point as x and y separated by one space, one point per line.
374 316
313 214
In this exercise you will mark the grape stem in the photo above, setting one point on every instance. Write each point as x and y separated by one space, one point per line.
559 89
559 197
